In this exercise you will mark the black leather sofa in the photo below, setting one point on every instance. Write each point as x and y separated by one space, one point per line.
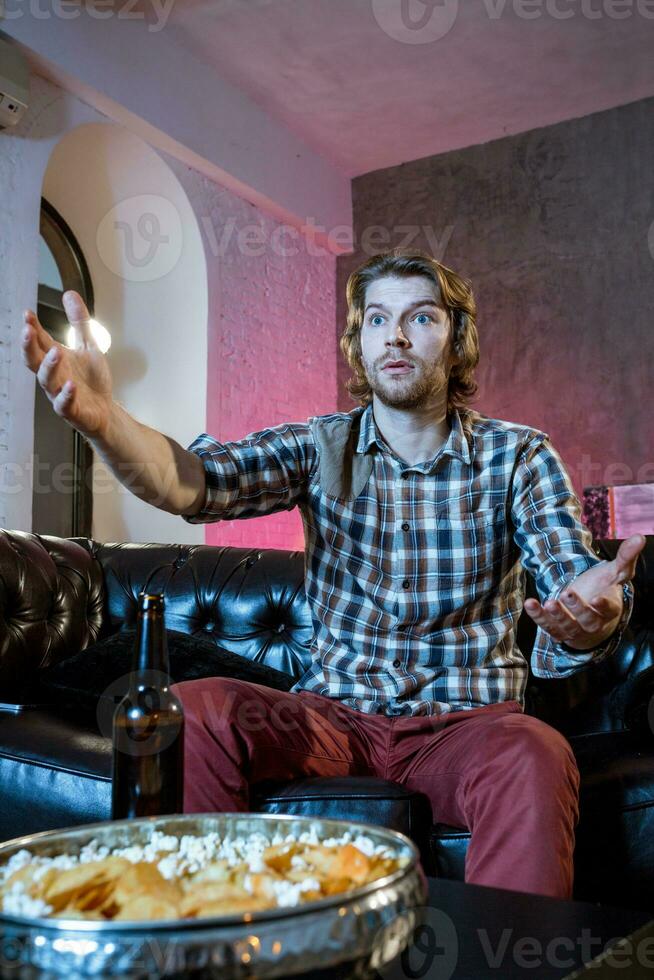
60 595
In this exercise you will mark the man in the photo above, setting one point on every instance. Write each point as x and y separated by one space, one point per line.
419 516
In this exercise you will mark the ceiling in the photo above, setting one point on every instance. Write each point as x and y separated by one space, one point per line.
374 83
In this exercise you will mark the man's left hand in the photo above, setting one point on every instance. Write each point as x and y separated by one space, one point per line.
586 615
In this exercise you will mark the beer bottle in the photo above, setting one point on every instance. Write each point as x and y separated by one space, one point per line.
148 726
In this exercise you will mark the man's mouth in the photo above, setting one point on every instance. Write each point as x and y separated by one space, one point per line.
397 367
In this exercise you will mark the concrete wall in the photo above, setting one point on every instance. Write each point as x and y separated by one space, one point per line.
269 333
272 349
555 229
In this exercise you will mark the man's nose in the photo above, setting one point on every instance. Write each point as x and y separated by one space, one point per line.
396 335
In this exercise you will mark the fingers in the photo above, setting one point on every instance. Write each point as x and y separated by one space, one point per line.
590 617
79 318
47 372
627 557
35 341
64 402
570 619
554 618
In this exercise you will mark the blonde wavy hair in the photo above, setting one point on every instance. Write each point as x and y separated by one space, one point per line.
454 296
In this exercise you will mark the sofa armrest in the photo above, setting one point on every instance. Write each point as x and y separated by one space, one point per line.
51 595
633 702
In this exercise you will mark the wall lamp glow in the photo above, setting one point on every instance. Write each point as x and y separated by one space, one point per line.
99 333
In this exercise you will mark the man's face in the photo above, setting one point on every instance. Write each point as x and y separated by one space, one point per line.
402 322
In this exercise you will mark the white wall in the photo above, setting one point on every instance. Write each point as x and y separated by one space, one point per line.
150 281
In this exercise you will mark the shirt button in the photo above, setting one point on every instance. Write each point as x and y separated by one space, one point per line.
406 526
406 584
396 663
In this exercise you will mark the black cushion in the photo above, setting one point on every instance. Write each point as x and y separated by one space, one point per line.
95 679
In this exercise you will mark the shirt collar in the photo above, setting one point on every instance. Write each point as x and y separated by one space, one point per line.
457 444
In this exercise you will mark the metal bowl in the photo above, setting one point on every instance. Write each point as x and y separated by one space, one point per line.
349 935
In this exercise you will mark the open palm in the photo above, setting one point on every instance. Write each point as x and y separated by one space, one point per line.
76 382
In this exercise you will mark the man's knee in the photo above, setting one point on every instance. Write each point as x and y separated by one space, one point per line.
547 758
535 748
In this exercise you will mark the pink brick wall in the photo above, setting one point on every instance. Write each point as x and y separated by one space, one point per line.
272 343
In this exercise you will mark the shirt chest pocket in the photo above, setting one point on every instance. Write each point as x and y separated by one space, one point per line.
470 543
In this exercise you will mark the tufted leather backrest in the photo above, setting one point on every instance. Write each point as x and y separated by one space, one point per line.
58 595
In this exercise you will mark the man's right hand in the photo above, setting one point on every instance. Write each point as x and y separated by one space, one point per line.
76 382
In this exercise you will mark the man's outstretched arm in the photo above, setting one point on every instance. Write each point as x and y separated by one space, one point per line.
556 548
78 385
588 611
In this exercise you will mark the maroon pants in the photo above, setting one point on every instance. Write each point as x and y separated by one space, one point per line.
511 779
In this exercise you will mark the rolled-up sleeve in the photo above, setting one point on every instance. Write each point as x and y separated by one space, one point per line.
555 548
265 472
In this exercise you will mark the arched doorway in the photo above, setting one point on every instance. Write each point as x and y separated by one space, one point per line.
62 502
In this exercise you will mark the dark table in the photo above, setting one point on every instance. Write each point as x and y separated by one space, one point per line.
470 932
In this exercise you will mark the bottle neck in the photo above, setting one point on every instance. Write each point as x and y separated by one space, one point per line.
151 647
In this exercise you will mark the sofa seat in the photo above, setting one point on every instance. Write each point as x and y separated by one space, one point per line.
616 822
56 772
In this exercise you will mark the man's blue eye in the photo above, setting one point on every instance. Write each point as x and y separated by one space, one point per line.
378 316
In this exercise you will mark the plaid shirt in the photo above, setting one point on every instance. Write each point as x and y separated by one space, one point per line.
416 585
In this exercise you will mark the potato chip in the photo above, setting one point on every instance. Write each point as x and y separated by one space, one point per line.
69 885
148 907
279 856
209 893
216 871
145 879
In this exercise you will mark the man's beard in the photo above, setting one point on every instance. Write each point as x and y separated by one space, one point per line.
408 391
